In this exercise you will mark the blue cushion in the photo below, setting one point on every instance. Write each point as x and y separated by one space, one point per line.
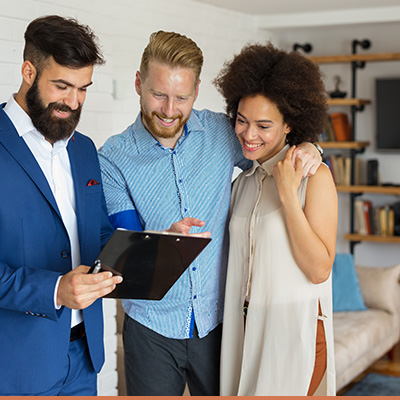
346 290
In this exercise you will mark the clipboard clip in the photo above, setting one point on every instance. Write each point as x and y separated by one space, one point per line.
147 237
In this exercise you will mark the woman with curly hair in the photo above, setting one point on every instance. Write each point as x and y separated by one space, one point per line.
277 331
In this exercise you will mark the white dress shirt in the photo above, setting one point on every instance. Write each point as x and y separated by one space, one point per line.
54 162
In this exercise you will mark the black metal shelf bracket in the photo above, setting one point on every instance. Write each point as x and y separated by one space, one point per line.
360 150
364 44
355 65
306 47
352 245
359 108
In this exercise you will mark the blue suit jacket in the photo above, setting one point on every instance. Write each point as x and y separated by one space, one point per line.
34 252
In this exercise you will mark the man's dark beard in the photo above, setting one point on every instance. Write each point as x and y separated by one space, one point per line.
52 128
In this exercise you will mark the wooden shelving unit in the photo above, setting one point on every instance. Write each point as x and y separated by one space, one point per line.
354 147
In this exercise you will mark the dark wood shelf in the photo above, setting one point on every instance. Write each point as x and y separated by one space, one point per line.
354 237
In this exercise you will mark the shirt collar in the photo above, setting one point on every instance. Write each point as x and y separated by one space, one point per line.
20 119
144 139
269 164
23 123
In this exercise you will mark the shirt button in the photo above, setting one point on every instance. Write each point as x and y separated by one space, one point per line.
185 209
194 297
194 269
180 180
65 254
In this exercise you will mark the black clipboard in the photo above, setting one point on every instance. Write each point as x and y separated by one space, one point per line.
150 262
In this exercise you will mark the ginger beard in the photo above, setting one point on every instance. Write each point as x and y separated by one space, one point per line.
153 125
51 127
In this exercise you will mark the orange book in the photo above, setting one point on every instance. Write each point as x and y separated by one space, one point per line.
341 126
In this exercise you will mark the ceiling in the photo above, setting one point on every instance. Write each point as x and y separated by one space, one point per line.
268 7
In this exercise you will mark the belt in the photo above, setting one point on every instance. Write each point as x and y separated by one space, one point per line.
77 332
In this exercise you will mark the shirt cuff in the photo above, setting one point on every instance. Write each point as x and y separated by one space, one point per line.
56 306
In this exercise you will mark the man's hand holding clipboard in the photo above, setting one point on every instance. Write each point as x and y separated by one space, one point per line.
151 262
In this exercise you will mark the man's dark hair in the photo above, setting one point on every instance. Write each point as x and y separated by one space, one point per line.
290 80
69 43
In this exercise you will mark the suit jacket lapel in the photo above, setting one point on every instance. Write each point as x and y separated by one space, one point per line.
18 149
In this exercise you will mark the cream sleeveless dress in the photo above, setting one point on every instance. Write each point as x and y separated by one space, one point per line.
274 353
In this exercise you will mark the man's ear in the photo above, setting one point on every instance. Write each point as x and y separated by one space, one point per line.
197 90
138 83
29 73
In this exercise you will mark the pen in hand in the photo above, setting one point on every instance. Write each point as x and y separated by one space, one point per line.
95 268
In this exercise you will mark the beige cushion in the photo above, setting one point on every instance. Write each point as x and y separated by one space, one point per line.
380 287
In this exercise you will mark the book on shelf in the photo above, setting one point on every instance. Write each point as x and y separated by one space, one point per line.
390 221
376 217
383 225
328 135
347 171
337 164
367 210
374 220
340 167
341 126
386 220
361 223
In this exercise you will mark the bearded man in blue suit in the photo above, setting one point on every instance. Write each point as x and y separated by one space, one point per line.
53 220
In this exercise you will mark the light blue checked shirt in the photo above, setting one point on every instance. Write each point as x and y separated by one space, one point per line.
147 183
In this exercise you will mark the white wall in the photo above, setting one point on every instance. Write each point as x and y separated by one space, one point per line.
331 40
218 33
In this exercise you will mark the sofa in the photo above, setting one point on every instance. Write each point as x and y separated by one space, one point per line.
361 337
